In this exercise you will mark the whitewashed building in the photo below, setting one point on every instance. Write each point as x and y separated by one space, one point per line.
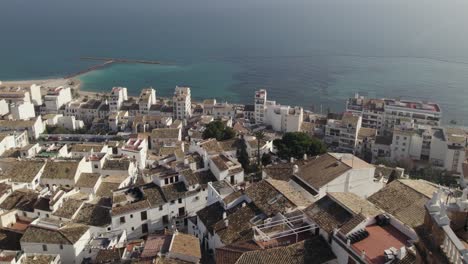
281 118
182 102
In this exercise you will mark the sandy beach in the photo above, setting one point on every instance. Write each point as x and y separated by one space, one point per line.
73 83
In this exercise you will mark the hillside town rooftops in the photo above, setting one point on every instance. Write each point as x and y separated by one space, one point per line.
68 208
405 200
187 245
20 171
60 170
21 199
86 147
355 203
121 164
152 197
312 250
87 180
165 133
93 215
268 199
322 170
66 235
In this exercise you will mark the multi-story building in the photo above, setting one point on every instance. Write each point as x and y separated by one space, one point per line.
56 98
343 134
385 114
281 118
22 111
146 100
182 103
443 148
22 95
117 96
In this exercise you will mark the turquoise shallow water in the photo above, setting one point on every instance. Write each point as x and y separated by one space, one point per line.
305 52
210 80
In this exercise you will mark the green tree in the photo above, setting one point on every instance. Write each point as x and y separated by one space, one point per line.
259 136
296 144
243 156
266 159
218 130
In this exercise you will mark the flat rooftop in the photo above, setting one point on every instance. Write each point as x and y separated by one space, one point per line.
380 238
416 105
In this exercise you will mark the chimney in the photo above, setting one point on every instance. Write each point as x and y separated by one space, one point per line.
305 156
295 169
363 254
226 222
244 204
291 160
224 215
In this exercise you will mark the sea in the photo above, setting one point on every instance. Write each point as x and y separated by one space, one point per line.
314 53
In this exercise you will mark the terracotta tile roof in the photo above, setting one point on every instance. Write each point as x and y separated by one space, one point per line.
166 133
106 188
328 214
424 187
156 244
210 215
322 170
10 240
200 177
281 171
402 201
352 223
232 197
152 197
87 180
268 199
356 204
239 227
68 234
109 255
185 244
116 164
39 259
60 170
314 250
289 192
68 208
22 199
174 191
211 146
231 253
86 147
21 171
93 215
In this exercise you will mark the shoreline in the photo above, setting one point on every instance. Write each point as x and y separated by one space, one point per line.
74 83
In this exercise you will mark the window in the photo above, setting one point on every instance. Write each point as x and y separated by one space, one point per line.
144 228
61 247
180 200
95 166
131 216
122 219
133 228
160 208
173 202
144 215
44 247
166 181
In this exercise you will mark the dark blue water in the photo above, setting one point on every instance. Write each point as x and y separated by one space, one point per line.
308 52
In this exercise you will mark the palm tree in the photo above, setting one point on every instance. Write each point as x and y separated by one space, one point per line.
259 136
